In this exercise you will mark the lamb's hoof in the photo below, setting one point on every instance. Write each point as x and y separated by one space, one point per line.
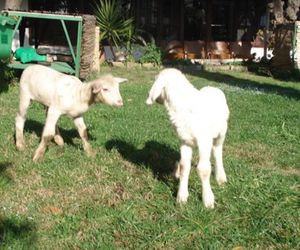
59 140
38 156
20 146
209 200
90 153
221 180
209 205
182 198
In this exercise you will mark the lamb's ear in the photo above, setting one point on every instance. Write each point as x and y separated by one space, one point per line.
156 91
120 80
96 86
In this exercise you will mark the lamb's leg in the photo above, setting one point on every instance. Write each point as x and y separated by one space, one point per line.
204 171
177 170
79 123
218 155
183 169
57 138
20 121
48 133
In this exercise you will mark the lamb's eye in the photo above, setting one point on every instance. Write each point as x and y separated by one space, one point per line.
105 89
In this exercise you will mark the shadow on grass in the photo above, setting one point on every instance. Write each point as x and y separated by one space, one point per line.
158 157
36 127
15 229
246 83
3 174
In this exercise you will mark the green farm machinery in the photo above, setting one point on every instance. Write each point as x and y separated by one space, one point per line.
10 22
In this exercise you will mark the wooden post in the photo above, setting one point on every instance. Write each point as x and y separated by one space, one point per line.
266 32
296 45
96 57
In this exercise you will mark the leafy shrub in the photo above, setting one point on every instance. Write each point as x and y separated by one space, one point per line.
152 54
7 74
115 26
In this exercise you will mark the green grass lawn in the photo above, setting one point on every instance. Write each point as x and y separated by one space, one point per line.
124 198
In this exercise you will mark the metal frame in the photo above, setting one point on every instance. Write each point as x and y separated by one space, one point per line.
62 19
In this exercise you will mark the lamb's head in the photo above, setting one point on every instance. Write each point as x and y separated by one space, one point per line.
106 90
157 93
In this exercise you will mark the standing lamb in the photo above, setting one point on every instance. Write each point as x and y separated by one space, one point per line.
63 95
200 118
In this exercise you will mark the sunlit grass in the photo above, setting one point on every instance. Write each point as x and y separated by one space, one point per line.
124 198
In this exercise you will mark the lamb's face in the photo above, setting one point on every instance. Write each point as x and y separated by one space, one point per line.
107 90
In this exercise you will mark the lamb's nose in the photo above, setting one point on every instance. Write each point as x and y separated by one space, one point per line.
120 103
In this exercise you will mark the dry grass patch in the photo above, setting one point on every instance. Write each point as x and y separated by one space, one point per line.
259 155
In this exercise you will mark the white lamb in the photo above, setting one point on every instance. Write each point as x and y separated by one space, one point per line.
63 95
200 118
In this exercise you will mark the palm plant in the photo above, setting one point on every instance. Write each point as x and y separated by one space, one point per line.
113 23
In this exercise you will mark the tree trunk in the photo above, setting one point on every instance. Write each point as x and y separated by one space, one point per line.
285 15
282 46
13 4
